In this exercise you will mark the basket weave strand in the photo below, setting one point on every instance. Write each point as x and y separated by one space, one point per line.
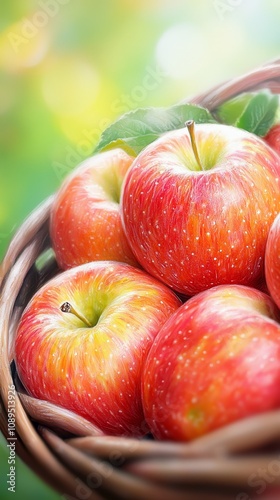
76 458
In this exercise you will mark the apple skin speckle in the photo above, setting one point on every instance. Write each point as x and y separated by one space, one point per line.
202 227
85 222
272 261
224 367
94 371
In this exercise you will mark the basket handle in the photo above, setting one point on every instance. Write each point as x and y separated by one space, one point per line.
266 76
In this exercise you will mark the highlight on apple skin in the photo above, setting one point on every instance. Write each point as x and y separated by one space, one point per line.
215 361
85 220
83 337
202 224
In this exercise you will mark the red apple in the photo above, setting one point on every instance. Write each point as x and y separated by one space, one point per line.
83 337
216 360
203 206
272 261
85 221
273 138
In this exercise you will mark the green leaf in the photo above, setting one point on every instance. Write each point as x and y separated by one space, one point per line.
138 128
254 112
230 111
259 114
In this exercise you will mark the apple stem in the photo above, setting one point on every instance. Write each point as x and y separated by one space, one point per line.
190 126
66 307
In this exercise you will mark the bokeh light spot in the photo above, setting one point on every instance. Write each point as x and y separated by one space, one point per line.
69 85
18 52
178 49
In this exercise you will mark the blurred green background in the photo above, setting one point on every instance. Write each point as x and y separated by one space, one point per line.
68 68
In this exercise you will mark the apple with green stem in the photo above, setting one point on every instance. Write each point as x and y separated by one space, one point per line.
204 200
85 220
83 338
272 260
216 360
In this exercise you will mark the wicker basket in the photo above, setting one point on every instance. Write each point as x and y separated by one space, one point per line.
240 461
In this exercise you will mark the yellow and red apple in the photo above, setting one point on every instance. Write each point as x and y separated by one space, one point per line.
84 336
273 137
272 261
203 214
85 220
215 361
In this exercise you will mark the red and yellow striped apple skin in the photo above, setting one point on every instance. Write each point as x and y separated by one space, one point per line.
201 228
215 361
93 371
85 222
272 260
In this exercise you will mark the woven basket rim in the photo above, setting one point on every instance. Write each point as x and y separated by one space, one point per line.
221 460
